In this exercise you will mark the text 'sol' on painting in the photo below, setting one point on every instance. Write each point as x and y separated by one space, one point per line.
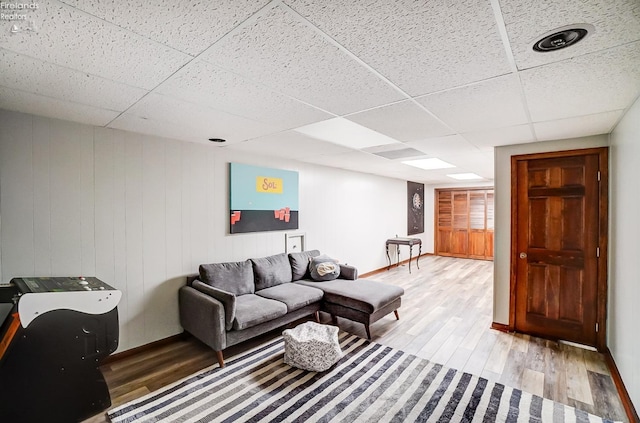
262 199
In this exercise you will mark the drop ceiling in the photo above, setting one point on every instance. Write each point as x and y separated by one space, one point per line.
441 79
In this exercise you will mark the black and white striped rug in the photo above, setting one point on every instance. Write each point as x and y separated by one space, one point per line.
371 383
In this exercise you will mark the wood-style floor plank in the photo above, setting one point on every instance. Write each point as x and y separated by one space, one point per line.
446 316
533 382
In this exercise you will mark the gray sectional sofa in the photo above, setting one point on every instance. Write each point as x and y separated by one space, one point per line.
227 303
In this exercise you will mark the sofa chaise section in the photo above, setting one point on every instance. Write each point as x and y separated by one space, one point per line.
362 301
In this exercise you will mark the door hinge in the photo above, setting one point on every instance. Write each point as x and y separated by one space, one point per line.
598 176
597 251
597 327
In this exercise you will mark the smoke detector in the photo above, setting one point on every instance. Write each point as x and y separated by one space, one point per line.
562 37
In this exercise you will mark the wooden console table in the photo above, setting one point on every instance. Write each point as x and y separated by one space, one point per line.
404 241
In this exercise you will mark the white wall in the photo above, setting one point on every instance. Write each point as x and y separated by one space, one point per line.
624 250
141 212
502 241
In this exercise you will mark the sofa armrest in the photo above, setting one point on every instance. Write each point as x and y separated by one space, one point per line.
191 278
348 272
203 316
226 298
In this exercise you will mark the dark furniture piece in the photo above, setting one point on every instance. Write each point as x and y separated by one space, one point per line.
53 341
404 241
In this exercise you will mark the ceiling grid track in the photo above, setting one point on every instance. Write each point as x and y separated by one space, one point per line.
361 62
502 29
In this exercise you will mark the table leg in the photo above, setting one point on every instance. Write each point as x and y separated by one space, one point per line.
410 252
388 258
397 255
419 254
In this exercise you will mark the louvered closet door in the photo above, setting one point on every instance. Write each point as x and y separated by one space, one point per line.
477 224
488 249
464 223
444 223
460 231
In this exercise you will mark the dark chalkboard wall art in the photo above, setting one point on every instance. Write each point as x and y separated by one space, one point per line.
415 208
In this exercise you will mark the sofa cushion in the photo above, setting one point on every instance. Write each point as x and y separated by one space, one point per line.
233 277
251 310
226 298
293 295
363 295
300 264
324 268
271 271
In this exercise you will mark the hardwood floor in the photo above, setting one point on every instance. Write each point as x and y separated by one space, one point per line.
445 317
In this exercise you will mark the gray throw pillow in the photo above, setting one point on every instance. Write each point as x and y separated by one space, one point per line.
324 268
271 271
233 277
300 264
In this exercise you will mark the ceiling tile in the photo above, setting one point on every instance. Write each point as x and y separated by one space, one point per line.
580 126
443 146
74 39
210 122
400 154
588 84
72 85
291 145
352 160
480 163
410 173
36 104
283 53
403 121
518 134
487 104
416 176
465 158
616 22
204 84
435 147
190 27
159 128
401 38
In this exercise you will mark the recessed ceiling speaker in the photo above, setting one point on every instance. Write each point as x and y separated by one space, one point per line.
563 37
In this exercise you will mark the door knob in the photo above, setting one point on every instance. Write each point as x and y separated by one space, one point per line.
523 255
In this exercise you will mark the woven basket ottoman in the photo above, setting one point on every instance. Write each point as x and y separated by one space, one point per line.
311 346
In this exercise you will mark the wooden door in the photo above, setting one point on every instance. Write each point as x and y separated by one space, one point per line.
477 224
490 222
558 242
464 222
444 222
460 230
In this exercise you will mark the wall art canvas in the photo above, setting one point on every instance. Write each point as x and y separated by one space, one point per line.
262 199
415 208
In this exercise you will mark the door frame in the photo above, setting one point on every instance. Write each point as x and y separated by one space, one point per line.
603 234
